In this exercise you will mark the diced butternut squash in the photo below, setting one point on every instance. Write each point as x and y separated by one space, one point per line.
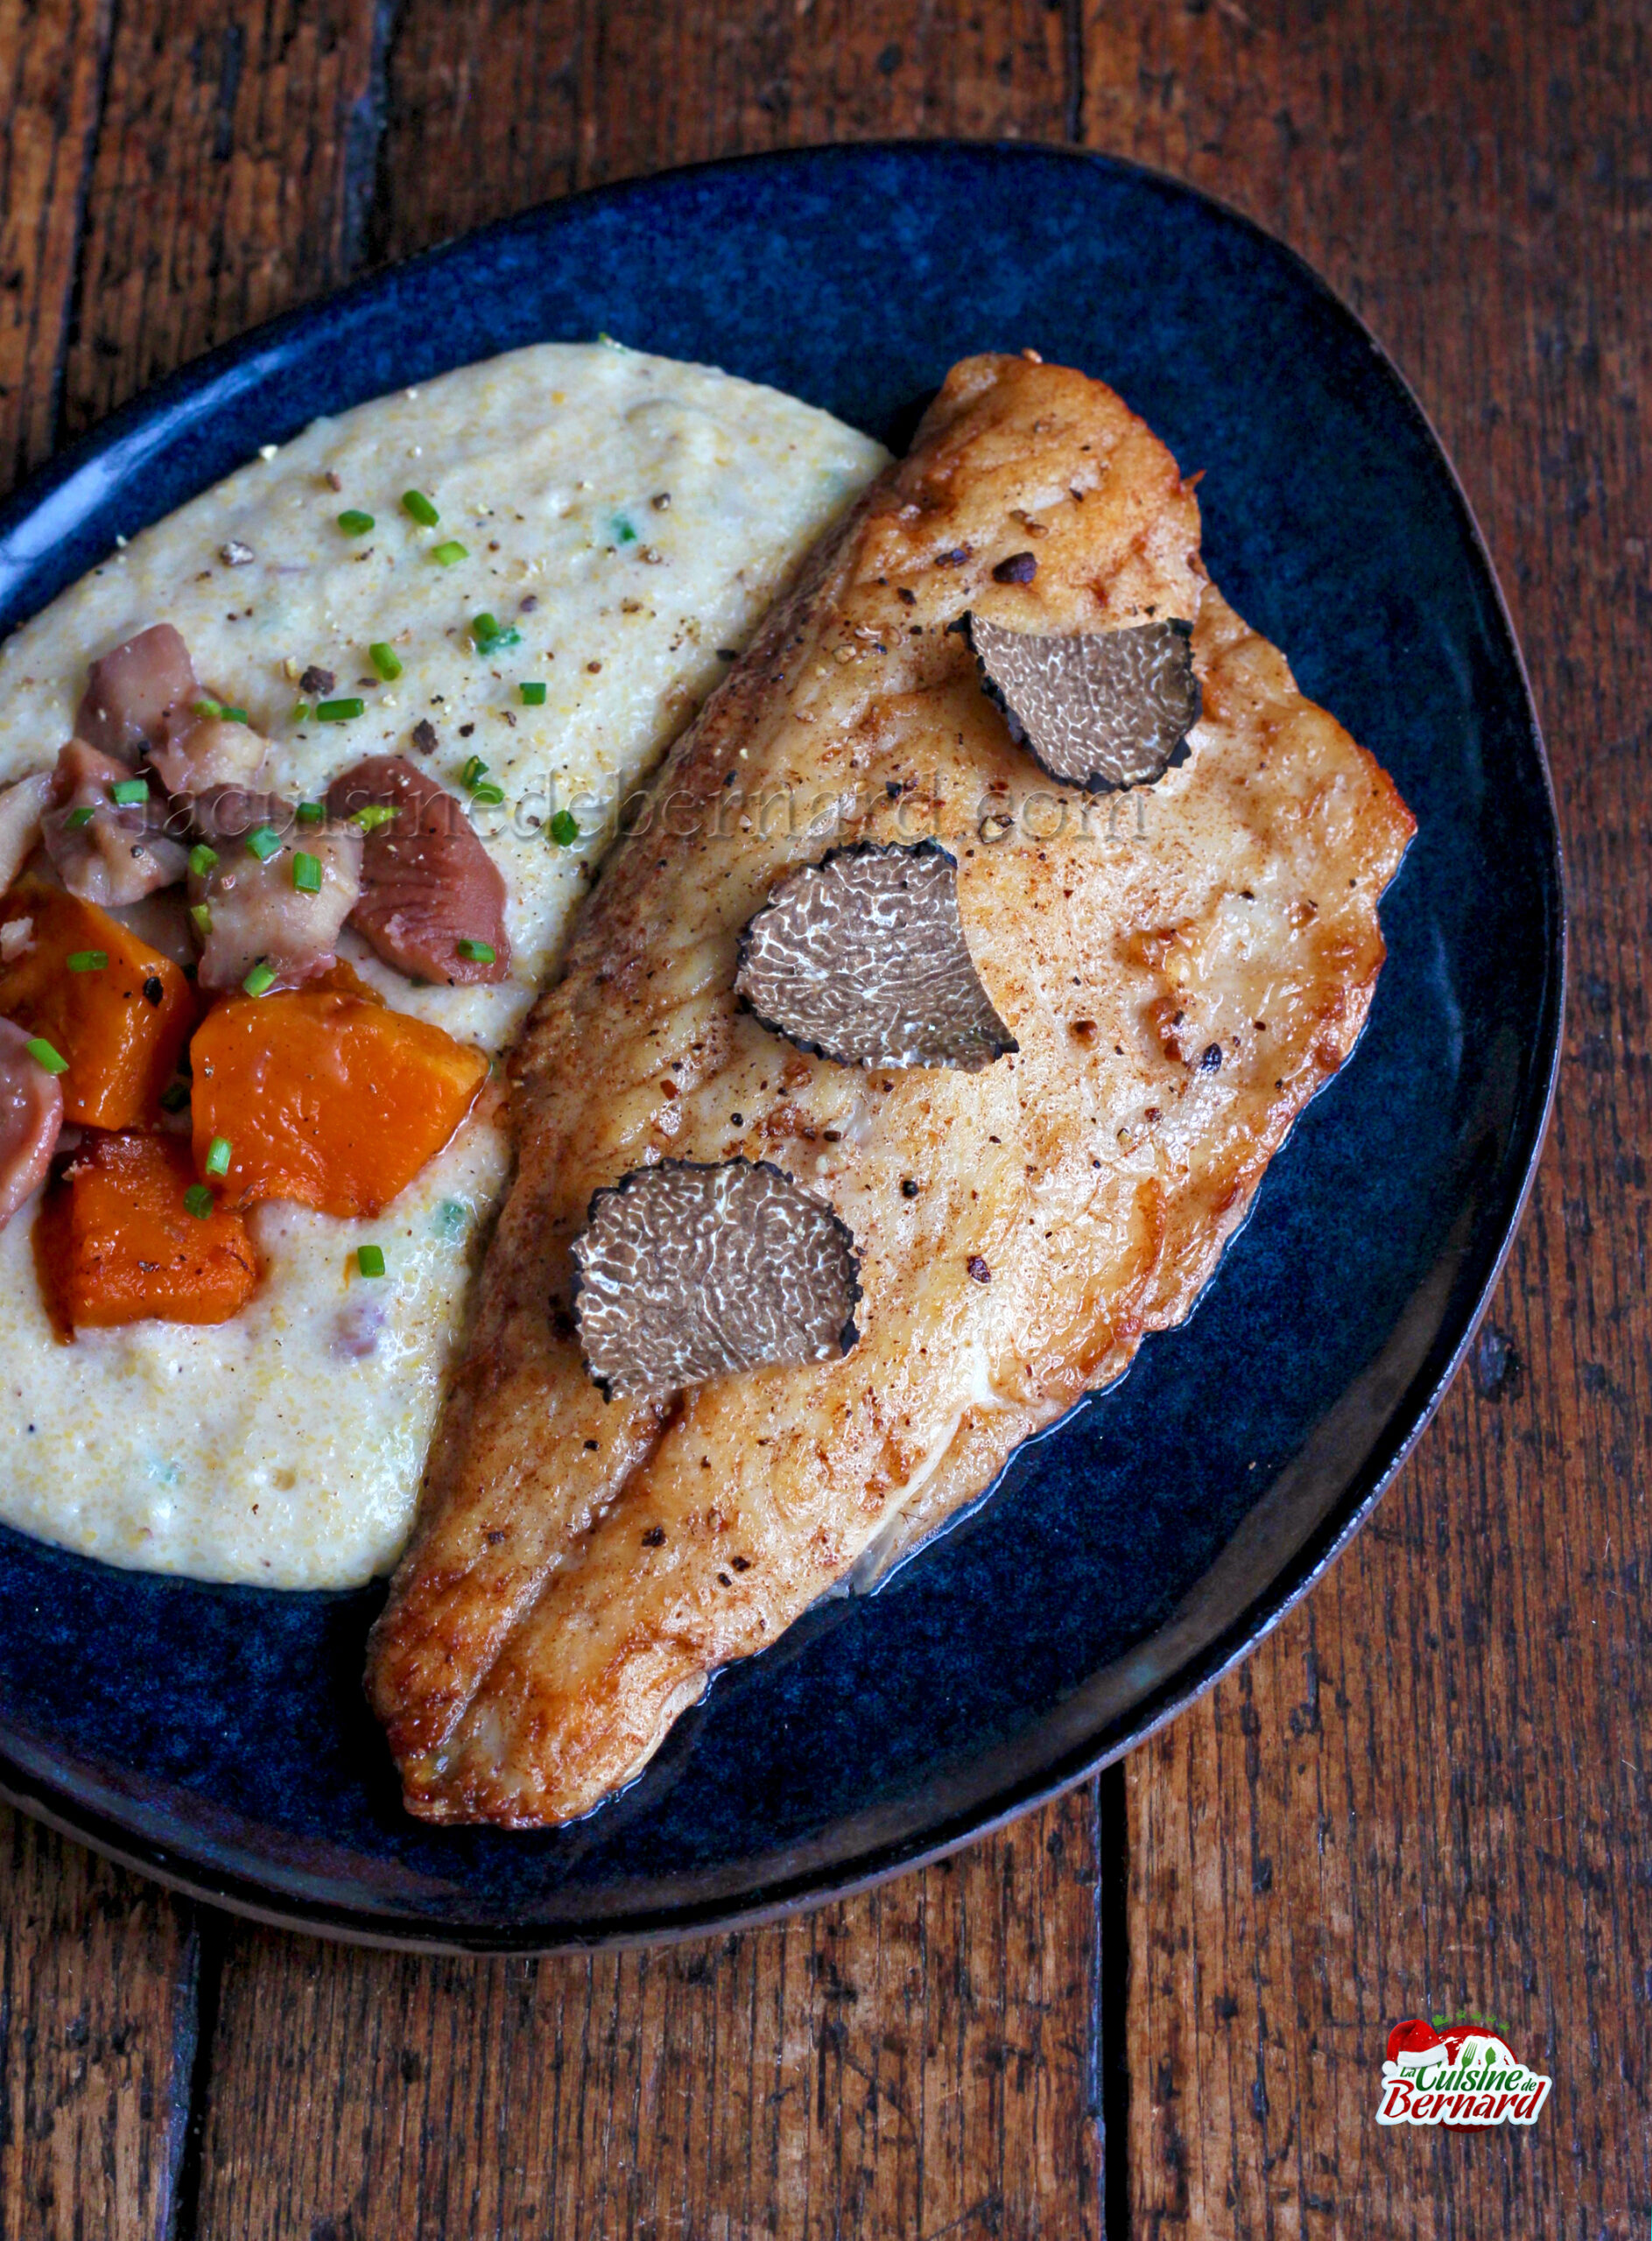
324 1097
113 1241
120 1023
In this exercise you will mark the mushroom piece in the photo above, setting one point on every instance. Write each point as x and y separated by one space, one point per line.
211 751
22 807
106 851
861 958
687 1271
31 1117
357 1328
1104 709
161 921
256 910
428 884
136 694
229 813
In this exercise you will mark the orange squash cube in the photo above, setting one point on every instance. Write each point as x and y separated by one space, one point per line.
120 1024
325 1097
113 1241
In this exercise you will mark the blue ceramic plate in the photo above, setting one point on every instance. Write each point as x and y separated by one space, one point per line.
218 1736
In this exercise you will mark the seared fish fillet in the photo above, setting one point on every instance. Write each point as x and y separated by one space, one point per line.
1182 967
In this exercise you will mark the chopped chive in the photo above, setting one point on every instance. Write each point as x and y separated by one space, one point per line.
489 634
532 696
476 952
264 842
373 816
201 859
624 531
473 772
449 552
418 505
129 792
384 660
197 1201
370 1260
563 828
353 522
43 1055
307 874
200 918
78 817
207 706
312 813
300 712
88 960
233 715
174 1097
217 1162
486 795
339 712
258 980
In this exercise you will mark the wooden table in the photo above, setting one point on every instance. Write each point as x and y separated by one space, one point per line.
1158 2007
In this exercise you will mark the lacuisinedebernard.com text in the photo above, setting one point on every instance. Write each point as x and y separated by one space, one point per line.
917 810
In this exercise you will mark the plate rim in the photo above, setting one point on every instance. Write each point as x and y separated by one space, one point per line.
246 1898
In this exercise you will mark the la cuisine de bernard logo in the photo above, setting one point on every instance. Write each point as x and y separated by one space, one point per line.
1460 2075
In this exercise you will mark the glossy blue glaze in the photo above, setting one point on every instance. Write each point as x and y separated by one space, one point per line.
218 1736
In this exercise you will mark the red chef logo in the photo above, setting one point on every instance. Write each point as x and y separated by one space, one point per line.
1458 2074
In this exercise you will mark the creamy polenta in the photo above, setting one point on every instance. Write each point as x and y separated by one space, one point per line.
620 521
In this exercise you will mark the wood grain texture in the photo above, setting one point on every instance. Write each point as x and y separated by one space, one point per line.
97 2040
51 58
494 108
1429 1791
914 2062
234 147
771 74
481 117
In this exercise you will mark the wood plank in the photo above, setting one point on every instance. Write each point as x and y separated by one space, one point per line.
235 147
505 104
51 55
1428 1792
481 117
97 2040
674 86
911 2063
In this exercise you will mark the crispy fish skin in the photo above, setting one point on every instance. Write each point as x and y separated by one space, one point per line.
580 1568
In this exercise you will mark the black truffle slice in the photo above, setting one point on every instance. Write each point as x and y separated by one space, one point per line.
861 958
1104 709
688 1271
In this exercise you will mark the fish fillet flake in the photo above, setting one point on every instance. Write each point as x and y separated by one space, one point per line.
1182 967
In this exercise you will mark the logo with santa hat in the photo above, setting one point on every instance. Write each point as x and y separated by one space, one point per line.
1459 2074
